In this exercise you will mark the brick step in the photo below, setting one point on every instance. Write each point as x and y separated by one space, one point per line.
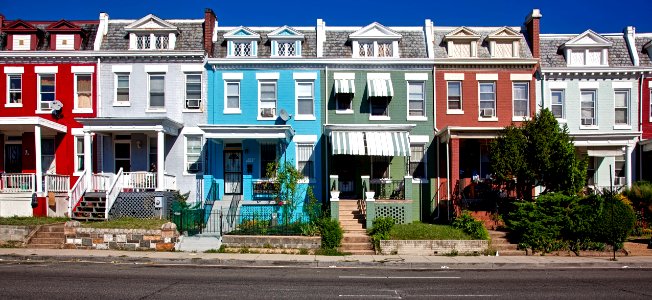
353 226
505 247
355 231
512 253
45 246
39 241
356 246
352 222
49 234
360 252
52 228
356 239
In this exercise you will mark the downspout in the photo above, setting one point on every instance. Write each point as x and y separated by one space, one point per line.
326 166
448 175
640 124
438 189
98 101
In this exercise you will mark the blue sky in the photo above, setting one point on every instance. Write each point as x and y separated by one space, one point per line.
570 16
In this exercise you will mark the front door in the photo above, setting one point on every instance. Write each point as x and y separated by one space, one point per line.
13 159
122 157
233 172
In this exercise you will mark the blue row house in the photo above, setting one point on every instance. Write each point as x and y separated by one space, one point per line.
264 106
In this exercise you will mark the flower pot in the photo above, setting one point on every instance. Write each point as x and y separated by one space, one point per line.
369 195
335 195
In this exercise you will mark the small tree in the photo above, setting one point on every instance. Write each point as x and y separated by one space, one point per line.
286 183
538 153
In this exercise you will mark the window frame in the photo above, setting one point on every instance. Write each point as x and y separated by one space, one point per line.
299 116
423 116
527 100
8 102
262 82
494 101
594 108
233 44
263 163
385 116
200 158
185 91
276 45
374 48
339 110
76 108
116 87
149 92
448 96
78 163
563 103
227 109
627 107
423 162
53 163
39 95
312 176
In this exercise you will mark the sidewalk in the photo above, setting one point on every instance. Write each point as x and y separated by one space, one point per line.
313 261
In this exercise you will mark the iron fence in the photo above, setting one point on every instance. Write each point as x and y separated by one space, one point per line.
203 221
388 189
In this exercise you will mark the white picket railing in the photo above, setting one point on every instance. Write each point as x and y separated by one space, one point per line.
57 183
17 183
100 182
170 183
77 192
140 180
113 192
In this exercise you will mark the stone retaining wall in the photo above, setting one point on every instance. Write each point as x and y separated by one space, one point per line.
433 247
14 233
162 239
257 241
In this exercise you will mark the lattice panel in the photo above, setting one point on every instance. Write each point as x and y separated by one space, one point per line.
139 205
395 212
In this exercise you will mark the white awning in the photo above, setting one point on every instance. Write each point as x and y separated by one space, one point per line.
212 131
606 152
377 143
344 86
380 88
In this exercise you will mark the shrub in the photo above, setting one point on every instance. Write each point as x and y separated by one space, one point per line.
331 233
380 230
471 226
615 221
640 195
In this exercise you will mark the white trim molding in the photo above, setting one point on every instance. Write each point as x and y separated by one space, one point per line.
520 77
82 69
14 70
416 76
486 76
454 76
419 139
267 76
588 85
121 68
621 85
339 76
156 68
46 69
304 76
380 76
192 68
232 76
305 138
557 84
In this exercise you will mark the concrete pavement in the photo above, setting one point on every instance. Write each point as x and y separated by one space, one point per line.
316 261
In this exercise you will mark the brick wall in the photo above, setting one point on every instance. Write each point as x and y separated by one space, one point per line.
162 239
287 242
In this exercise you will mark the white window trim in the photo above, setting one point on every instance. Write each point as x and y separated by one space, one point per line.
75 163
115 87
76 109
149 92
38 92
313 178
13 105
455 111
185 155
303 117
260 82
595 108
290 40
231 47
26 38
563 103
527 117
355 45
495 117
604 55
419 80
629 108
425 160
185 92
227 110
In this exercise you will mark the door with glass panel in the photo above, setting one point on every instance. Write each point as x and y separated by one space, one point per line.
233 172
122 156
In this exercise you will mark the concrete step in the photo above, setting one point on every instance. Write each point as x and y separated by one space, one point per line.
39 241
360 252
49 234
512 253
351 222
505 247
356 246
354 231
353 226
199 243
45 246
356 239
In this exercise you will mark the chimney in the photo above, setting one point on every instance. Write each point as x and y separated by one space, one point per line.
209 26
2 21
630 39
533 30
321 37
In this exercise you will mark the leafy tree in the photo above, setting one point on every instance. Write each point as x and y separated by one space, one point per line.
538 153
616 220
286 183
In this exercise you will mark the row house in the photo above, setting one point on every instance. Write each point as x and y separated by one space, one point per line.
264 107
590 82
49 80
484 81
643 59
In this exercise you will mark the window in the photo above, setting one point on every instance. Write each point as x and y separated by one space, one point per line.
344 101
521 94
380 167
590 171
143 42
487 99
267 100
153 152
21 41
577 58
305 160
503 49
416 99
621 106
83 91
588 108
48 166
267 158
460 49
162 41
242 49
122 88
79 154
454 95
193 154
366 49
374 49
14 90
557 105
384 49
305 99
157 91
232 96
193 91
586 57
379 106
46 90
286 48
417 161
619 170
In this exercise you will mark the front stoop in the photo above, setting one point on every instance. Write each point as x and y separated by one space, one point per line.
48 237
355 241
501 244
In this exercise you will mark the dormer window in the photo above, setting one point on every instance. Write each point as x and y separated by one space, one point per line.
588 49
375 40
21 35
286 42
21 42
65 42
648 48
151 33
242 42
64 35
462 43
504 43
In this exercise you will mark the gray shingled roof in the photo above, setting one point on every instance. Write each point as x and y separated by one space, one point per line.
644 57
553 57
308 47
440 50
411 45
190 37
89 31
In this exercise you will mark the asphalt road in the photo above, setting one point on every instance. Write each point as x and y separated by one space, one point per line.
115 281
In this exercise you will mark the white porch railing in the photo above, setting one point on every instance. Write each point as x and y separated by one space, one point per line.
100 182
77 192
170 183
57 183
140 180
17 183
113 192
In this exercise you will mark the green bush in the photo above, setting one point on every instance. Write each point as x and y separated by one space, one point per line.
331 233
380 230
616 221
640 194
471 226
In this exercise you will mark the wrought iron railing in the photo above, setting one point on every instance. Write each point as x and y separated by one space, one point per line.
263 190
17 183
213 193
386 189
57 183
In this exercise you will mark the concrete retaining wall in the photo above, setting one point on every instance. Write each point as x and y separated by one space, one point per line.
121 239
257 241
432 247
14 233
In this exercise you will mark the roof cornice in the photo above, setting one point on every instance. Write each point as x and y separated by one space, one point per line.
487 61
320 61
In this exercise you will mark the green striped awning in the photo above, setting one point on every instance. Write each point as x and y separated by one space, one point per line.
378 143
344 86
380 88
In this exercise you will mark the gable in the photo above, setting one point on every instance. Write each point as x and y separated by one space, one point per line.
504 33
375 31
285 32
150 23
462 33
19 26
588 39
63 26
241 33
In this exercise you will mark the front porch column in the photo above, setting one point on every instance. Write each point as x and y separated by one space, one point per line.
39 163
628 164
88 159
160 161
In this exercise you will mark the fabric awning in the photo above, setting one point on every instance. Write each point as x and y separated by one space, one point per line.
377 143
344 86
606 152
380 88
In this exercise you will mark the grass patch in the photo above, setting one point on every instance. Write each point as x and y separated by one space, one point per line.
421 231
11 244
30 221
127 223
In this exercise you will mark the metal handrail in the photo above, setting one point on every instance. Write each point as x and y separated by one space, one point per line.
388 189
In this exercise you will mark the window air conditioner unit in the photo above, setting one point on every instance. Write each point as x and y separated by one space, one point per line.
195 103
267 112
45 105
487 112
587 121
620 181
